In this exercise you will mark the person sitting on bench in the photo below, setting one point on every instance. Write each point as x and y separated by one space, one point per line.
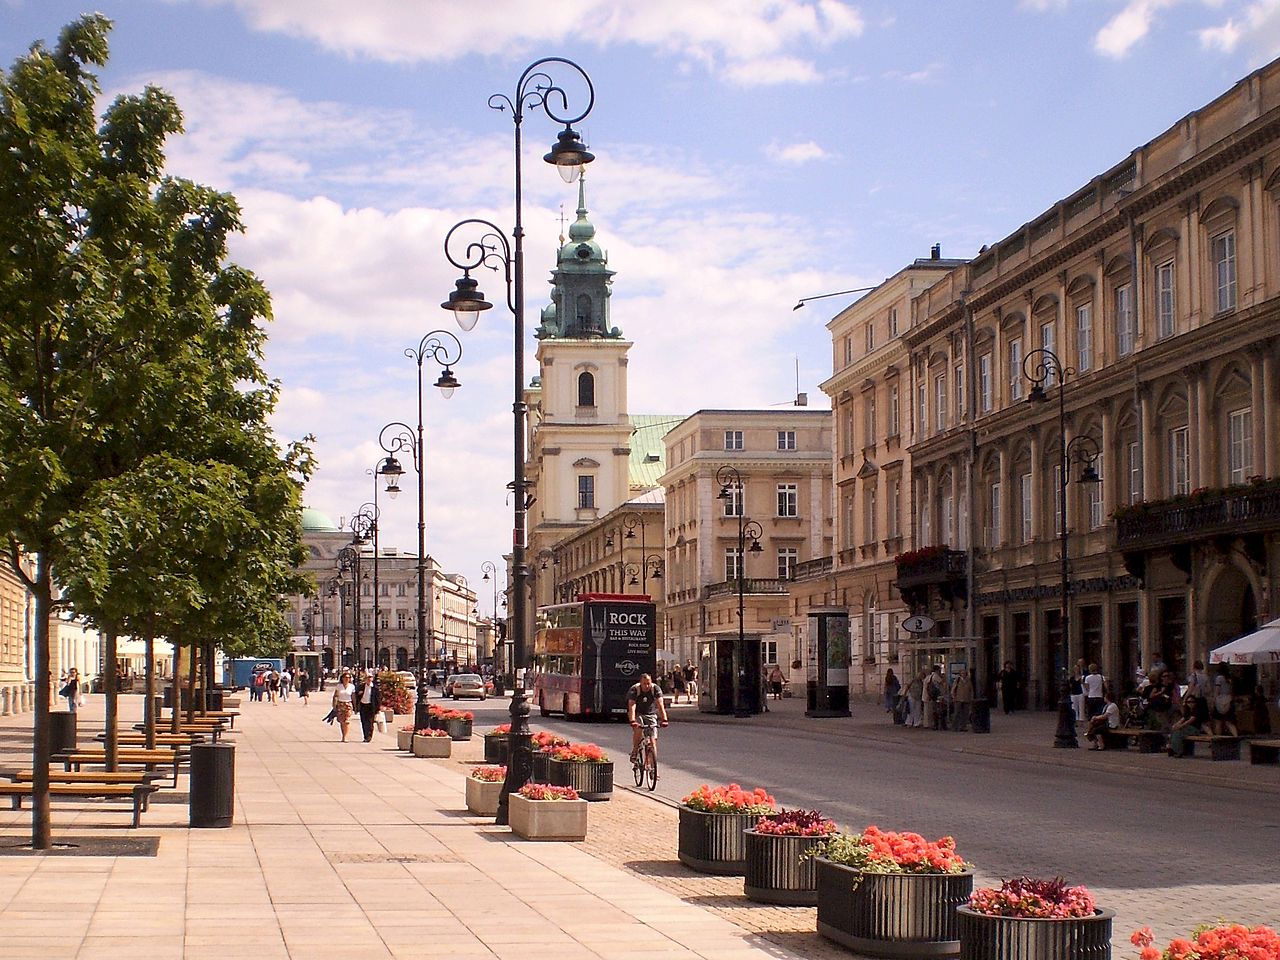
1195 714
1108 719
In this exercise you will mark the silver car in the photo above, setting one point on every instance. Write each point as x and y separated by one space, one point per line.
466 685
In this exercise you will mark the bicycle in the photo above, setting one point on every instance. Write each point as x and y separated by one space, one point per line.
644 765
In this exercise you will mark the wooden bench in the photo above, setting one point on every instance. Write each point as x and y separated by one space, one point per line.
163 739
71 776
1220 748
228 716
137 792
147 759
1264 751
214 731
1148 741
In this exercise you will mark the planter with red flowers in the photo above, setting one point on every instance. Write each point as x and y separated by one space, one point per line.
543 743
431 743
712 821
583 766
779 869
1220 941
540 811
404 737
1031 919
484 787
495 743
888 894
457 723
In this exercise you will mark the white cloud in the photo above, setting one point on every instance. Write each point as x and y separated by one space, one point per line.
1118 36
1258 27
724 36
796 153
770 71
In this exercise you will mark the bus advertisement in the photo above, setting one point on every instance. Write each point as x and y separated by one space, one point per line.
588 653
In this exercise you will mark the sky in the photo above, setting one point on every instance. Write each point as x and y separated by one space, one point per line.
749 153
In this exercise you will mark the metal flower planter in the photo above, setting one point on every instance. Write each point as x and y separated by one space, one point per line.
458 729
495 748
593 780
891 914
541 767
1014 938
714 842
776 872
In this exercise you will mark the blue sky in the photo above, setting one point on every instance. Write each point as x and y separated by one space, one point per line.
750 152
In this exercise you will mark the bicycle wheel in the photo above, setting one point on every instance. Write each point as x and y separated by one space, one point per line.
651 765
637 767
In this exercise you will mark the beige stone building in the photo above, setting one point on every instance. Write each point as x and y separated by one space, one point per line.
784 459
1157 285
326 620
17 693
872 392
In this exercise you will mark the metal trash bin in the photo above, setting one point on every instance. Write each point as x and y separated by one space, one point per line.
981 719
213 784
62 731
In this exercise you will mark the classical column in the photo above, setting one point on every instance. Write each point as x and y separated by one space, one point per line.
1194 436
1037 484
1112 474
1004 535
1149 438
1258 403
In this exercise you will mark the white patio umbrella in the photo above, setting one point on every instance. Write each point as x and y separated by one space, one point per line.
1261 646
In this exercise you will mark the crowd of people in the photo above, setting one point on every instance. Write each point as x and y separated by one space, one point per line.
681 682
931 701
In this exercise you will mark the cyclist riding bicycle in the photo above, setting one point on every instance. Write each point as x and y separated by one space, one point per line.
645 709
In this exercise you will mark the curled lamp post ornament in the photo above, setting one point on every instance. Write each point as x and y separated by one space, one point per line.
728 478
490 571
535 90
1045 369
444 349
364 528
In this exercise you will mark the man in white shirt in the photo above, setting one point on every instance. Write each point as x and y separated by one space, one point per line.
1095 685
1107 719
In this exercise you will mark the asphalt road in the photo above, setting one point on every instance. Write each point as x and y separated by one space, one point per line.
1166 841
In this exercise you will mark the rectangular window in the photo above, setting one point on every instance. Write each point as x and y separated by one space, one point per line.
1240 431
1224 270
846 513
894 507
1057 500
940 402
869 428
733 439
946 522
962 521
1164 300
846 424
366 590
788 499
926 524
961 408
871 338
733 502
993 516
893 411
1025 505
1049 341
1093 491
869 520
1084 337
1179 479
921 418
732 563
401 620
787 559
1124 320
893 321
1015 368
848 349
984 383
586 491
1135 472
400 589
786 439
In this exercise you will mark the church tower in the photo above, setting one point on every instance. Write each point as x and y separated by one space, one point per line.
580 431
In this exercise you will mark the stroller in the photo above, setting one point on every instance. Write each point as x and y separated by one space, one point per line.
1134 713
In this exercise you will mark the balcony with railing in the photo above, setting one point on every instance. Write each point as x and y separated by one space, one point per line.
757 585
928 566
808 569
1200 515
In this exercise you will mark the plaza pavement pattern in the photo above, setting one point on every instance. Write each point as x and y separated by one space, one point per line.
338 850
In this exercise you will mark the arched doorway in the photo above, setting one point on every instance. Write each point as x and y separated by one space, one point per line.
1230 607
402 658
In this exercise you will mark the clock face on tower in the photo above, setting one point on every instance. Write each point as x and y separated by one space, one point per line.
583 251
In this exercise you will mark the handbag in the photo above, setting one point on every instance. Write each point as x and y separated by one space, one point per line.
381 722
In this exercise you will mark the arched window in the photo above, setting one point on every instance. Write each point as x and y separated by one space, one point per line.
586 390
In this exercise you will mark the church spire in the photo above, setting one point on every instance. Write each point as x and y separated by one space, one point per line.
582 228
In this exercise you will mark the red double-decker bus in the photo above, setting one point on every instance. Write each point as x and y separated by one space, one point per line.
588 653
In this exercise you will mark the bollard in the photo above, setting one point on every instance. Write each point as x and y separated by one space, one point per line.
62 732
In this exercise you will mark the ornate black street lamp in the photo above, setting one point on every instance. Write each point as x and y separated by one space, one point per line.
445 349
490 570
1043 368
364 528
535 90
729 479
638 574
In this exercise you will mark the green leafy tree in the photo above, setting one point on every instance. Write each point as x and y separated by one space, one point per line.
124 333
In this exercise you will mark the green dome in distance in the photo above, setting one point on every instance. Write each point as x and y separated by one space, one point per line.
317 522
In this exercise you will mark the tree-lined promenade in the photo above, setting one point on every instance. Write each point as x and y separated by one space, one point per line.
140 485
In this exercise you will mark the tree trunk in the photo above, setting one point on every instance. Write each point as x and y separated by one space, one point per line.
41 829
175 715
109 690
149 708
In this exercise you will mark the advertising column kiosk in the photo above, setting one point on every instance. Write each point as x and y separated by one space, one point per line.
827 686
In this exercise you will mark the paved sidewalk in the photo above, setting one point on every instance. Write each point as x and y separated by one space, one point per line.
338 850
